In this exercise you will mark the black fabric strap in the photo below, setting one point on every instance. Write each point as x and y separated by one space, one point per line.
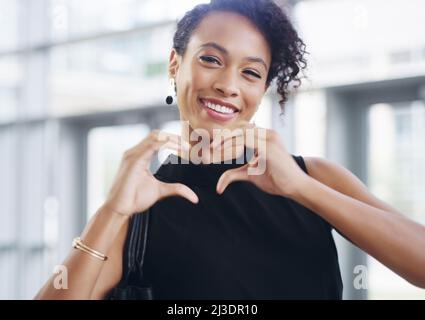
301 163
131 284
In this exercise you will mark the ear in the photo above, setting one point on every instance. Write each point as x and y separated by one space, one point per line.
174 63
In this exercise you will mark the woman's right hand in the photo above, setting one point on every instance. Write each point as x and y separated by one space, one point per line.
135 189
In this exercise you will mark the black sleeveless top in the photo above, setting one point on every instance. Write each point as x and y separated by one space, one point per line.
243 244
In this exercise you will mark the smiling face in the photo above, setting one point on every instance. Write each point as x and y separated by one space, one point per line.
225 68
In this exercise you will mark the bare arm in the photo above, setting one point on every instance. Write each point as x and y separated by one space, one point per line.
105 233
112 269
342 199
337 196
135 189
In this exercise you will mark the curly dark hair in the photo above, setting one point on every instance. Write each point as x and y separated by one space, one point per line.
287 49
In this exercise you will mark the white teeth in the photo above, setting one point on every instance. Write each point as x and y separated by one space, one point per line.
219 108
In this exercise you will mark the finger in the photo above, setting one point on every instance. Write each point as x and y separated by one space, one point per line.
153 137
228 151
159 146
250 134
232 175
178 189
254 160
156 141
225 135
166 136
258 145
167 145
255 165
229 133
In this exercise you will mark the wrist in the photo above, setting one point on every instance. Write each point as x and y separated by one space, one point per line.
103 228
299 188
107 209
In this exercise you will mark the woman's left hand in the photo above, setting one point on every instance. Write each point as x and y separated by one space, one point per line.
271 169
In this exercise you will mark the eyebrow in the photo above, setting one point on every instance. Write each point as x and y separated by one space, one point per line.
225 52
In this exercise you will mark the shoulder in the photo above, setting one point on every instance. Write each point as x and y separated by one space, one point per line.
333 175
343 180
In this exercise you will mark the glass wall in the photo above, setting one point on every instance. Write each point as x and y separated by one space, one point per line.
81 81
106 146
397 175
358 57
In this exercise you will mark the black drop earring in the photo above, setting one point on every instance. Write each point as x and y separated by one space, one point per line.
171 92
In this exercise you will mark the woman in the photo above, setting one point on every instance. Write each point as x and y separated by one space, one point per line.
215 230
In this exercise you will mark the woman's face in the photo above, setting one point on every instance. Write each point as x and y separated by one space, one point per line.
226 63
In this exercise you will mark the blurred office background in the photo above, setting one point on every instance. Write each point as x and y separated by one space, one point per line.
82 81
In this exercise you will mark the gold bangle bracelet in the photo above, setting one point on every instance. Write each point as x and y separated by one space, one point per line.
78 244
81 244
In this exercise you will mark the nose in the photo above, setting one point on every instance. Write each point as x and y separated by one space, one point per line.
226 84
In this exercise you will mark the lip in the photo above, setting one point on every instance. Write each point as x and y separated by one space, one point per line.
220 102
222 117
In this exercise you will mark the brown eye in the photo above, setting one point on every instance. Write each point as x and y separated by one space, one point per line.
209 59
250 72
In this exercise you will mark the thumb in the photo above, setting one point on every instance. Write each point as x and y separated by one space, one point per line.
178 189
230 176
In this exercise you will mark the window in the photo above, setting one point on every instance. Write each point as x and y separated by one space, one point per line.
10 87
9 24
106 146
109 73
8 236
397 176
70 19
